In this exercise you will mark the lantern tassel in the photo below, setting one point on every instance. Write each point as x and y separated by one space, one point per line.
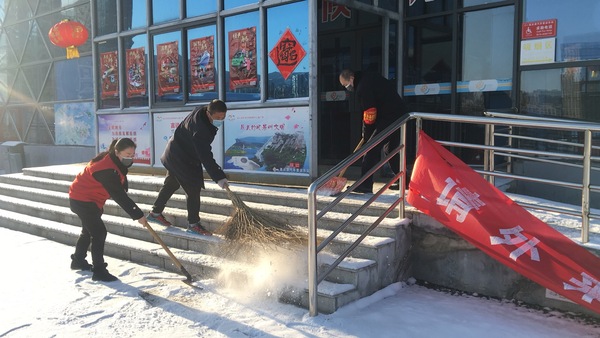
72 52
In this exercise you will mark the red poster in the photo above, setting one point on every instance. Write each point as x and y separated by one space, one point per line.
242 58
538 29
202 64
447 189
167 61
287 54
136 72
109 68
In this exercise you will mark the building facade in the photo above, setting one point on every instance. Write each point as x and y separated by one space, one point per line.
276 63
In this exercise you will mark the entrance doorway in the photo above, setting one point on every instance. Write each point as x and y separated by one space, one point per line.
354 41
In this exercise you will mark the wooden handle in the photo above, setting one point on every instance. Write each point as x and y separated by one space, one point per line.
360 143
164 246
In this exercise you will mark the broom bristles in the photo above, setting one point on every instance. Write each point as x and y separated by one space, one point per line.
250 227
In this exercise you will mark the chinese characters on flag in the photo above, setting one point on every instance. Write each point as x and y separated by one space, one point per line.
447 189
242 58
287 54
109 66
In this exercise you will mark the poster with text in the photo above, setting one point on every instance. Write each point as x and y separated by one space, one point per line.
136 72
242 58
133 126
167 59
202 64
75 123
109 70
269 140
164 127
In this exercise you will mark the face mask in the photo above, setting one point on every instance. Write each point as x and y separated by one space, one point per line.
350 88
127 161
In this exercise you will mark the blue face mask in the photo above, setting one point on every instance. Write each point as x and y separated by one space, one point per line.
127 161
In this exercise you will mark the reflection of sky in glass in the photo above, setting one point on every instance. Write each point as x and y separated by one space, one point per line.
139 41
236 3
199 7
165 10
139 14
577 21
278 19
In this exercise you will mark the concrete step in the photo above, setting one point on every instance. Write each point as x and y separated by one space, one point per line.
331 295
42 194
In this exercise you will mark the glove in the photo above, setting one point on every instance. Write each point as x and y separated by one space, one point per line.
222 183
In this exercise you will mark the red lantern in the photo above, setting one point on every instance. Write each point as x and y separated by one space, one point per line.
68 34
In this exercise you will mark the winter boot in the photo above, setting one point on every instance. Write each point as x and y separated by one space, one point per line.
80 264
102 275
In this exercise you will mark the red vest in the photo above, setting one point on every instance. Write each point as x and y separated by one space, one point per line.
86 188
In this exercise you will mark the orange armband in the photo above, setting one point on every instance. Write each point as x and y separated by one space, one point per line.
370 115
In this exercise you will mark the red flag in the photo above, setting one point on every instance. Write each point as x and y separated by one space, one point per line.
447 189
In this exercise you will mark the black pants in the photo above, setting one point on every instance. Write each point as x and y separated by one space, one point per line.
374 156
93 231
192 194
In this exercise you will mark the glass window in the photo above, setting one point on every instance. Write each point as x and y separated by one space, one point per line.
136 70
288 51
200 7
167 68
108 70
574 40
133 13
74 80
422 7
467 3
242 64
165 10
202 70
106 20
572 93
236 3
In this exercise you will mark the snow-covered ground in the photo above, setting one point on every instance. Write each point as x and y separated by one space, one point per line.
42 297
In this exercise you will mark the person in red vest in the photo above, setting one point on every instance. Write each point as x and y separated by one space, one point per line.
380 106
104 177
186 153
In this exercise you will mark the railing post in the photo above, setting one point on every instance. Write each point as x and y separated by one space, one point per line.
585 191
402 167
312 254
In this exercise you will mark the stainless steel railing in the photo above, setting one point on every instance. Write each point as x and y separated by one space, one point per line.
581 160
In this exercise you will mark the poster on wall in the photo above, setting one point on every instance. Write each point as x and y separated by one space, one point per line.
136 72
269 140
109 70
74 123
133 126
167 59
202 64
242 58
538 51
287 54
164 127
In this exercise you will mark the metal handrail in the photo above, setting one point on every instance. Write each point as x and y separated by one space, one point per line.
489 171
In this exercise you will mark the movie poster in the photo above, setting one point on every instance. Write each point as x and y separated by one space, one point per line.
133 126
75 123
167 62
109 70
202 64
136 72
242 58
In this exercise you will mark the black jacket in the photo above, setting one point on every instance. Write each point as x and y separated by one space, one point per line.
375 91
189 149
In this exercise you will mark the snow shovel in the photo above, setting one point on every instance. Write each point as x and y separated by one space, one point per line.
173 258
335 185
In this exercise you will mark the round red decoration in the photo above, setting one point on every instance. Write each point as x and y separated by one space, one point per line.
68 34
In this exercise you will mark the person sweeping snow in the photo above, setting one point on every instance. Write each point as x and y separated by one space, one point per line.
104 177
187 151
